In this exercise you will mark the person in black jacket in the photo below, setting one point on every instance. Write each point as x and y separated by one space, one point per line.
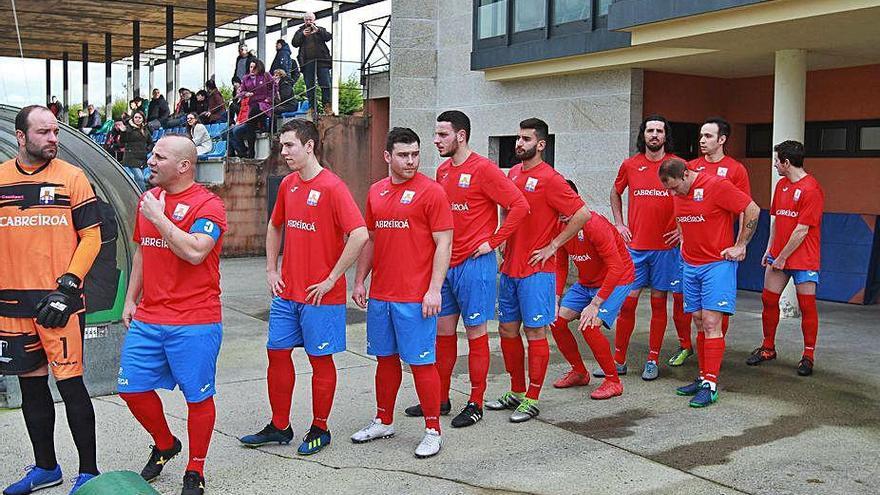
137 140
284 61
314 59
158 111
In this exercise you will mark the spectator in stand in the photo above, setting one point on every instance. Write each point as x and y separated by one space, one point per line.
284 61
243 62
284 98
55 107
259 88
89 120
199 134
135 137
185 105
314 60
158 111
200 106
136 104
216 104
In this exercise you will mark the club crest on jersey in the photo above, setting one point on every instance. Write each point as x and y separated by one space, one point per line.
531 184
722 171
47 195
180 211
464 180
313 198
407 197
698 194
581 235
797 194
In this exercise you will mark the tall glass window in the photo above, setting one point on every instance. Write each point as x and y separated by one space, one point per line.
493 18
570 10
529 14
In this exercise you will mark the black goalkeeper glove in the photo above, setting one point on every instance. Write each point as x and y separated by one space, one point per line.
55 309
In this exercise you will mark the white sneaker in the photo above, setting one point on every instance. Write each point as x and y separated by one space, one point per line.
374 431
430 444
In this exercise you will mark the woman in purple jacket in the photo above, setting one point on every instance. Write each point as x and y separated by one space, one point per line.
259 88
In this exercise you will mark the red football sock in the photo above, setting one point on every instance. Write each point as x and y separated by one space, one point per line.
701 354
388 377
657 328
280 378
602 352
769 318
447 352
323 388
478 367
200 426
714 351
428 389
147 409
809 323
539 357
567 345
682 321
626 322
514 355
725 324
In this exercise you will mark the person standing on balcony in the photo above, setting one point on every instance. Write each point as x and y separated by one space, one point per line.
314 59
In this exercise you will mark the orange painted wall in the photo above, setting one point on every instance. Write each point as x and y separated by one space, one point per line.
838 94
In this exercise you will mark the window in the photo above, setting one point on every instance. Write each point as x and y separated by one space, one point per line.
570 11
844 139
529 15
685 139
759 140
869 138
492 18
502 150
833 139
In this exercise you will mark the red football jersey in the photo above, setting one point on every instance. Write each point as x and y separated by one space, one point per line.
649 210
796 203
176 292
403 218
317 215
600 256
728 168
549 196
475 189
706 216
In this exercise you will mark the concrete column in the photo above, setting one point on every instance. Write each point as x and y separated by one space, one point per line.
65 88
85 75
212 41
170 91
129 86
177 84
261 31
136 58
336 45
789 102
151 76
108 77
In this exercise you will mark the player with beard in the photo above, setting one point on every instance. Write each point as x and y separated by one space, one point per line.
476 187
527 289
49 238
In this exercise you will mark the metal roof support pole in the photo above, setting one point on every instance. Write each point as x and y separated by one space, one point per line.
151 76
65 58
48 81
336 45
129 94
136 57
85 74
212 41
170 93
261 30
177 84
108 77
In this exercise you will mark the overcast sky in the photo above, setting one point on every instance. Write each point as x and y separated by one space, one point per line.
23 81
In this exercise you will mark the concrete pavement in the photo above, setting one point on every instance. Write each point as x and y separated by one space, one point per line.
771 432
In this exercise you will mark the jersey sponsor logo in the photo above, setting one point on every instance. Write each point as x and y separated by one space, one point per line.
690 219
180 211
460 206
650 192
643 168
797 194
407 197
531 184
464 180
11 197
786 213
299 224
157 242
392 224
722 172
313 198
34 221
579 258
47 195
698 194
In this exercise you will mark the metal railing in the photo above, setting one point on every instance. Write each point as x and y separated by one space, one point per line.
375 47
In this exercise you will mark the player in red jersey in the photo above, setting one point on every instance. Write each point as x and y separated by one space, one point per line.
605 274
174 332
713 135
476 187
653 240
527 288
704 209
792 252
324 232
410 224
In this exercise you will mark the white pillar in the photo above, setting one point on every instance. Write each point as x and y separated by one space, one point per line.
151 78
336 73
261 31
789 102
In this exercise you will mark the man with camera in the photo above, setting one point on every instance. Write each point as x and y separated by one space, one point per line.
314 60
